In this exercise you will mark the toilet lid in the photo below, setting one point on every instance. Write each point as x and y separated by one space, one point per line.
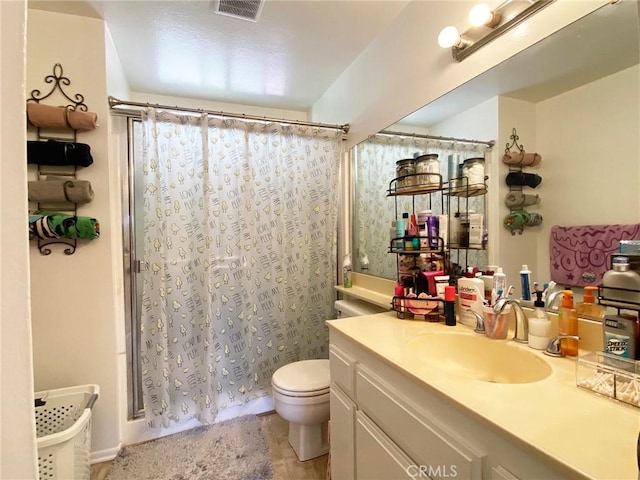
302 376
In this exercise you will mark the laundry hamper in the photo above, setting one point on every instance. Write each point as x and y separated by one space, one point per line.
63 430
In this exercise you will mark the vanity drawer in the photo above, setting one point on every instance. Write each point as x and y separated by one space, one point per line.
421 438
343 367
377 457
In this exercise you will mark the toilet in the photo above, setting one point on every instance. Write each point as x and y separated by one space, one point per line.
301 397
301 394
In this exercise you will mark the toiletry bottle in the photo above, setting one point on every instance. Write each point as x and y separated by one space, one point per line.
432 231
450 306
346 270
399 234
408 243
525 281
588 307
470 297
568 324
620 335
539 325
499 286
398 301
620 277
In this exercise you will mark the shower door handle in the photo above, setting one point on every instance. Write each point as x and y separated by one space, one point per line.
138 266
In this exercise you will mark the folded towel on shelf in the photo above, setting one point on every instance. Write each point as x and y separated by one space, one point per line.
46 225
60 189
53 152
48 116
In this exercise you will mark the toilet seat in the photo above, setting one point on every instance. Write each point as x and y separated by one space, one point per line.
288 393
305 378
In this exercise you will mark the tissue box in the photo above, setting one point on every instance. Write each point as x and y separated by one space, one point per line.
610 376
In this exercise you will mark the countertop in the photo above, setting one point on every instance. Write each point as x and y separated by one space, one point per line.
590 434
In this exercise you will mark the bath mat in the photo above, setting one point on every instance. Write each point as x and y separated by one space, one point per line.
230 450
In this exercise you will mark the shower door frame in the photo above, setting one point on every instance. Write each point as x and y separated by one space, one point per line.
132 267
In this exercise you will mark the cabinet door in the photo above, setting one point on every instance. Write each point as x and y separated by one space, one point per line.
342 369
377 457
428 442
342 433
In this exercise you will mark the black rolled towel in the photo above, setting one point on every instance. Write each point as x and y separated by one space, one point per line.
53 152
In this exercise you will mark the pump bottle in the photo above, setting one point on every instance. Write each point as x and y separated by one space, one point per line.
568 324
539 325
588 307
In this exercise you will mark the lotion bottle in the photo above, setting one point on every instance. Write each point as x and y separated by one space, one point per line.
568 324
470 297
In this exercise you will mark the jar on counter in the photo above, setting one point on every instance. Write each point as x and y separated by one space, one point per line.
473 170
405 167
428 163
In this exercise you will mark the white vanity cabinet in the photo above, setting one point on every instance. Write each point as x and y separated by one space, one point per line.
387 425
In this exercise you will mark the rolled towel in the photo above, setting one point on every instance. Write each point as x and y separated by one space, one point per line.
61 225
47 116
60 189
53 152
79 120
519 199
522 158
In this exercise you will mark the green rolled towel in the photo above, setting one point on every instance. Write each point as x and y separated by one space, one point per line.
64 225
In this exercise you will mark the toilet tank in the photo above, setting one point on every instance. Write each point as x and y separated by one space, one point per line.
355 308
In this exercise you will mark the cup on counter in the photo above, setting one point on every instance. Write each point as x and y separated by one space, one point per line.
496 325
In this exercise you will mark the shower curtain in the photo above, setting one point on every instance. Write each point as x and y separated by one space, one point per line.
374 211
240 226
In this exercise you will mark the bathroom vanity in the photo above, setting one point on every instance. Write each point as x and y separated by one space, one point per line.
412 399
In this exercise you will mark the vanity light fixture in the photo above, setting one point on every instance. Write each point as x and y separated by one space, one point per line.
487 25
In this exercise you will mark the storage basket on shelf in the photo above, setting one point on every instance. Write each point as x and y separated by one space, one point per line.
63 430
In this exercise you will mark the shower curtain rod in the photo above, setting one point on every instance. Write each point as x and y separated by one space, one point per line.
489 144
114 102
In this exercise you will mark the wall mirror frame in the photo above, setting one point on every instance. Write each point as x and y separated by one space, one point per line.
532 91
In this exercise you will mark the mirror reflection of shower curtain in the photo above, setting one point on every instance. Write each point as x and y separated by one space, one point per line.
374 211
240 226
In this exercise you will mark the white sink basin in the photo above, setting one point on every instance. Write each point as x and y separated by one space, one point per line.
477 357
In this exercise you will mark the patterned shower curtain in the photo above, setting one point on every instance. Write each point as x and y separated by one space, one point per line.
374 211
240 224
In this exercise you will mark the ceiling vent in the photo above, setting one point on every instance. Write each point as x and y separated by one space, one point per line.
243 9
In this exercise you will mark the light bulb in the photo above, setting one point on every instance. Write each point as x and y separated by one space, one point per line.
479 15
448 37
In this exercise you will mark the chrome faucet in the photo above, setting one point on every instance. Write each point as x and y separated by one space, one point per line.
554 348
522 325
549 304
479 321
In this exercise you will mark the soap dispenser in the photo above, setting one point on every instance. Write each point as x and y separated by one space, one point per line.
568 324
539 325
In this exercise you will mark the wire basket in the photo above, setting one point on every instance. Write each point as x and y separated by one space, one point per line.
63 430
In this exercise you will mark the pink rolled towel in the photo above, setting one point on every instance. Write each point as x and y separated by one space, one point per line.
47 116
79 120
521 158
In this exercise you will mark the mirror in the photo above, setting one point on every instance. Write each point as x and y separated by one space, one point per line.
573 97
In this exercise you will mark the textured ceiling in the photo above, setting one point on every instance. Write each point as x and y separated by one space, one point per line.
288 59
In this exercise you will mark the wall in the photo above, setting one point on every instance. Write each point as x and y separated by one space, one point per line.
18 458
590 132
75 298
404 68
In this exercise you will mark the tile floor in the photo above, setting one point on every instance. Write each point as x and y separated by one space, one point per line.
285 463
